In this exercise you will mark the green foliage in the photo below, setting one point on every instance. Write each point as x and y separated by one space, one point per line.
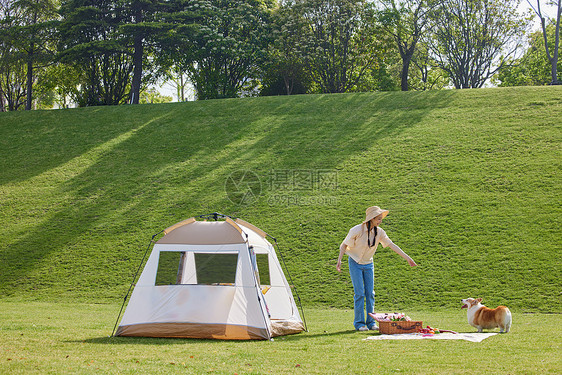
152 96
383 77
424 75
406 21
285 72
178 26
26 48
13 77
137 27
58 82
338 42
90 42
533 68
471 179
114 49
472 39
235 35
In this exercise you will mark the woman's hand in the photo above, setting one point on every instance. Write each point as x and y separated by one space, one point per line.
412 263
340 257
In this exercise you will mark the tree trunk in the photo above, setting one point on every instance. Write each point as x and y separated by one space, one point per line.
29 86
405 69
137 70
137 59
288 84
554 72
182 87
554 61
406 53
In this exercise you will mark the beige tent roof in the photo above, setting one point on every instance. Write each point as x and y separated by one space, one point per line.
192 232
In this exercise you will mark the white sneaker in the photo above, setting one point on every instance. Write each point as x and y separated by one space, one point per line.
363 329
374 328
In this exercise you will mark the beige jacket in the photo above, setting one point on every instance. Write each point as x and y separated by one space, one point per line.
357 246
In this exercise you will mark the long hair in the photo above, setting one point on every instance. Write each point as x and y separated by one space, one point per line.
369 232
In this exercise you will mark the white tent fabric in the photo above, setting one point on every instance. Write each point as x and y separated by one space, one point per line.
202 280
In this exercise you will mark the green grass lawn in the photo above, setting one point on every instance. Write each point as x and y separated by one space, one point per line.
49 338
471 177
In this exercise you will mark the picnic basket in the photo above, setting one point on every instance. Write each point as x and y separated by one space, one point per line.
400 326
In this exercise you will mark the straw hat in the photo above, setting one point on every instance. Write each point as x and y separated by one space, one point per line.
373 212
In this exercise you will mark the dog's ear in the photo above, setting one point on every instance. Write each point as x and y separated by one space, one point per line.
479 300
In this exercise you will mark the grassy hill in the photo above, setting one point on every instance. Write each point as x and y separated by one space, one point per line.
472 179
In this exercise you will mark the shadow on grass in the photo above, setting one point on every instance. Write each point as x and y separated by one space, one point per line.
177 341
117 172
307 335
143 341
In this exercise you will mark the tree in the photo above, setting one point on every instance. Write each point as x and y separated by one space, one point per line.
179 80
532 68
35 38
426 76
152 96
26 46
473 39
58 84
230 45
12 67
141 27
552 57
284 71
339 44
174 39
12 83
406 21
138 40
90 41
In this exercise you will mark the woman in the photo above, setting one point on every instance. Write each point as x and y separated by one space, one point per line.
360 245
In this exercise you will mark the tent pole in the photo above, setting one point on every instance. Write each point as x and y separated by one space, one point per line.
258 291
291 281
133 283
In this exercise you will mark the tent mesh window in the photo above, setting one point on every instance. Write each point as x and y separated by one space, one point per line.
216 269
262 261
169 268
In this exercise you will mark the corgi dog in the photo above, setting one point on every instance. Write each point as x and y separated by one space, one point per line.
482 317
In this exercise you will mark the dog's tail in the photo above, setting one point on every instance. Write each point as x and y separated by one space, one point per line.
507 320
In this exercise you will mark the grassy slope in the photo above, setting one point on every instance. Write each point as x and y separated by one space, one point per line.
472 179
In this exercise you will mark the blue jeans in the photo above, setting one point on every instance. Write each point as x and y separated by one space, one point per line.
363 279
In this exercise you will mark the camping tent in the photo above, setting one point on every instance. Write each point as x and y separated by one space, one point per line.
212 279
